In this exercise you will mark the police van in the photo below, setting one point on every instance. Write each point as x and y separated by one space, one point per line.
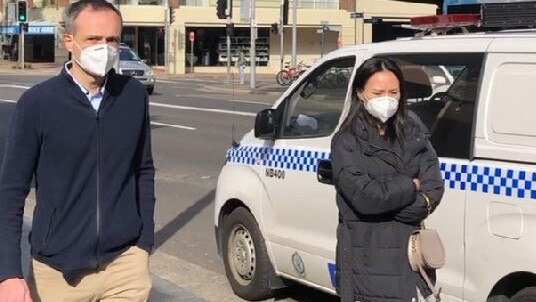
474 94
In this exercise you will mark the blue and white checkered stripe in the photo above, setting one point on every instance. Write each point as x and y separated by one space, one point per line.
290 159
458 176
495 180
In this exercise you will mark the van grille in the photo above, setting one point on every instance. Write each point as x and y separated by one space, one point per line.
133 72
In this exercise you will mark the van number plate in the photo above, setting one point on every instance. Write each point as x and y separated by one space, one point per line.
275 173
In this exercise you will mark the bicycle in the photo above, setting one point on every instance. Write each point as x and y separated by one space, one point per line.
290 74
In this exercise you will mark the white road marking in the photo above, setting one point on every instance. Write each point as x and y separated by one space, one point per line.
8 101
216 98
173 126
171 82
243 113
248 102
14 86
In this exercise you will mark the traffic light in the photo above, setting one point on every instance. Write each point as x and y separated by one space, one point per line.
24 27
221 6
285 12
22 10
171 15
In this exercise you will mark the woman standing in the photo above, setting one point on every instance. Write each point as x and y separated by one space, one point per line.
387 178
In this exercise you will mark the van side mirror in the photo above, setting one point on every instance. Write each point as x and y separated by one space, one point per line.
324 174
265 124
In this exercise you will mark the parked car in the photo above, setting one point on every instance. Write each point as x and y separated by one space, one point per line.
130 64
275 210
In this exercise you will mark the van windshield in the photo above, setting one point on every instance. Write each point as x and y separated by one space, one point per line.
128 55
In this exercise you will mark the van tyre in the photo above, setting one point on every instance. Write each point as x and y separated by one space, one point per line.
528 294
245 257
498 298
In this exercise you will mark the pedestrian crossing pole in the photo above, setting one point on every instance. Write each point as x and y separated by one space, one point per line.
21 45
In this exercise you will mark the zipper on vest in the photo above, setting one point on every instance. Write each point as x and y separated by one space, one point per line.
98 189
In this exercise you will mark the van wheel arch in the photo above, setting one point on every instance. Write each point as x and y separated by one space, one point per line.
225 210
510 285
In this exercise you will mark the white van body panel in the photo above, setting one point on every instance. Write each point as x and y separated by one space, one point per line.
487 218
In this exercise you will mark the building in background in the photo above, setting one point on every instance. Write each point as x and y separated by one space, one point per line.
144 30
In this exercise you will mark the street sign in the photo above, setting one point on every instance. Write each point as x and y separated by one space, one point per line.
191 36
356 15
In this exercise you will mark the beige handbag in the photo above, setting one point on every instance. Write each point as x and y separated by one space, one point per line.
426 251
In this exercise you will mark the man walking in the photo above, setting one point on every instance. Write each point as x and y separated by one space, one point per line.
84 137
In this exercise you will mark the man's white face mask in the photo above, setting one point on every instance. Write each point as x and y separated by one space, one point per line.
382 107
97 59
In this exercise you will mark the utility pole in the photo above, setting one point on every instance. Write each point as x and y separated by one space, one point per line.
252 51
294 18
281 33
227 30
323 31
355 16
166 35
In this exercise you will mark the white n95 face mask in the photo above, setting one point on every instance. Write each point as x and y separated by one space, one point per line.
97 59
382 108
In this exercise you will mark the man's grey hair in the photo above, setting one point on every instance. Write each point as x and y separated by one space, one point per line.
75 8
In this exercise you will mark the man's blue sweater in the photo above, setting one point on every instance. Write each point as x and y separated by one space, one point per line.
94 176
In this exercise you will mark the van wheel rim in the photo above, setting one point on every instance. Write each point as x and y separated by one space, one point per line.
242 254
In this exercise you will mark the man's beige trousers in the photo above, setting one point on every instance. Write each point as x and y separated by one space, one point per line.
124 279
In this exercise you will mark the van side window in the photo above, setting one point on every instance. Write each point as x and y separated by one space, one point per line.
314 107
441 91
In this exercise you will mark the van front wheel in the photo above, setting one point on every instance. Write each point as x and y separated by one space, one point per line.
527 294
245 257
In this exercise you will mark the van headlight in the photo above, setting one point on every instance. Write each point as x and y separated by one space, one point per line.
149 72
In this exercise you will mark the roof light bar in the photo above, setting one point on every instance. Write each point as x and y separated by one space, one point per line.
445 21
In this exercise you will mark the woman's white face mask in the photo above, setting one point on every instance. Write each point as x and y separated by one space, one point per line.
382 107
97 59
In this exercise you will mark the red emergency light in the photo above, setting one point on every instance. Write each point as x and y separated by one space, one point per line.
445 21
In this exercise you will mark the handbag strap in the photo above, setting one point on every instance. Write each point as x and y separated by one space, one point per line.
428 206
428 201
436 291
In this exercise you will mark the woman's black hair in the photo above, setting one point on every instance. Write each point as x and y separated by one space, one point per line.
395 125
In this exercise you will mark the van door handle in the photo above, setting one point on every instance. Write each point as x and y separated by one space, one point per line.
324 173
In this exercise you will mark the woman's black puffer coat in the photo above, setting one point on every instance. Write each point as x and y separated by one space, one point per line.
379 208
